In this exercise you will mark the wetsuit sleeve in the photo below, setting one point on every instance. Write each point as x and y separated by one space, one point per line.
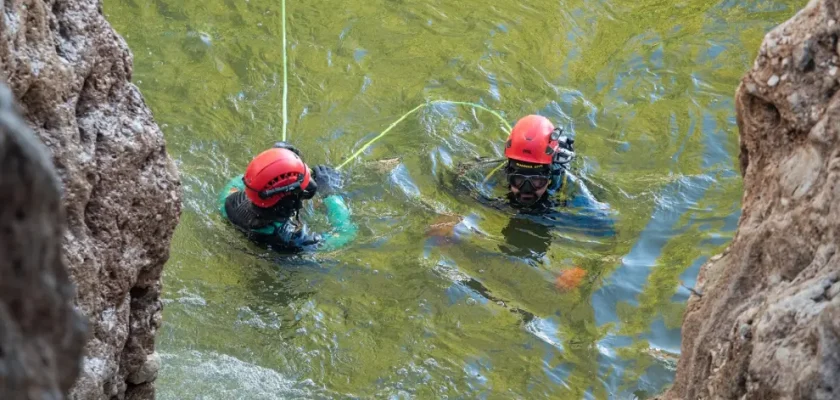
344 230
579 196
233 186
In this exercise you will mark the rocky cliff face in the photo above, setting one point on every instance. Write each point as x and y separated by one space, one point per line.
768 323
71 74
41 336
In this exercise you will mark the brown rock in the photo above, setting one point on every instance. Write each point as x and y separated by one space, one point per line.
768 323
41 336
71 74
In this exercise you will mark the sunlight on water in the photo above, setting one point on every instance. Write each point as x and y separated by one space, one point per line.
443 295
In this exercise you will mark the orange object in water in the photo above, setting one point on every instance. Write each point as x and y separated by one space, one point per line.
570 279
442 230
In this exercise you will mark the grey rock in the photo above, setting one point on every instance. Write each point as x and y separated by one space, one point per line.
828 331
41 335
71 74
833 292
804 56
148 372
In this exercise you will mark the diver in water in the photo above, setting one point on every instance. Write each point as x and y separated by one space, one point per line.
540 186
264 202
538 156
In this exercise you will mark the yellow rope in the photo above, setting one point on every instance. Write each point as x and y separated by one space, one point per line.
285 71
412 111
486 178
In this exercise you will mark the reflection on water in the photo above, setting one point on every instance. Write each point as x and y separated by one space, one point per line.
444 294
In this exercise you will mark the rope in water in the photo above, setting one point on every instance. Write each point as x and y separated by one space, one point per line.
388 129
285 70
487 177
412 111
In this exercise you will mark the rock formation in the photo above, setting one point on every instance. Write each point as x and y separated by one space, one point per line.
768 323
71 74
41 336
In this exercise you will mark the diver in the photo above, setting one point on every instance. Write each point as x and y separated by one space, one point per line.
540 187
264 202
538 157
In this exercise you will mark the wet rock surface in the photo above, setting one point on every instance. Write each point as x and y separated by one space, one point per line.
768 323
71 74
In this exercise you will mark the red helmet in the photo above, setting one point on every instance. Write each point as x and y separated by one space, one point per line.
273 175
531 141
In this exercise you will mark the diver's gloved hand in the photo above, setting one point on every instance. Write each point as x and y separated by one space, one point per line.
328 180
567 143
284 145
566 151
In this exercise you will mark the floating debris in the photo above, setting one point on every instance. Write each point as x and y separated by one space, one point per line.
443 226
667 359
384 166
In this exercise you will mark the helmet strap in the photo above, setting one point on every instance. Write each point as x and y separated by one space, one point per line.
514 167
292 188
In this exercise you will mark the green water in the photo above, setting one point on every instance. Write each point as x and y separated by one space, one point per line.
646 86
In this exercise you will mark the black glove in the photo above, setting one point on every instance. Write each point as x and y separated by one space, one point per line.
567 143
328 180
565 151
284 145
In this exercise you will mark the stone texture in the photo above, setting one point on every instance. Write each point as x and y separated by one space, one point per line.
768 323
41 336
71 74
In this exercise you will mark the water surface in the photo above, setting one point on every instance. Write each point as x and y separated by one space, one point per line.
645 86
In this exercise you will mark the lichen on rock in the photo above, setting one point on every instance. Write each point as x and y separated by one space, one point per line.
71 74
768 323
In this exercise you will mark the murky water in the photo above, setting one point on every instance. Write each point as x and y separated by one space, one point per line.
407 311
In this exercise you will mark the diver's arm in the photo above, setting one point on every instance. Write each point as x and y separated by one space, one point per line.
338 214
600 215
233 186
573 190
581 196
